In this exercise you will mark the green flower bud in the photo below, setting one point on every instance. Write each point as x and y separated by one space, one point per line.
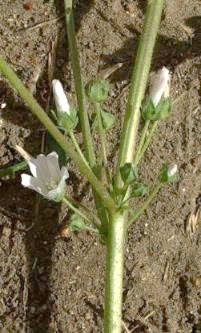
97 90
169 173
160 112
68 121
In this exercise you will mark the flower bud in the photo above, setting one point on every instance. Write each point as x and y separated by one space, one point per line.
97 90
160 86
60 98
169 173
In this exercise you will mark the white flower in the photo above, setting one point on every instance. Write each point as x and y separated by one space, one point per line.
60 98
172 170
160 86
48 179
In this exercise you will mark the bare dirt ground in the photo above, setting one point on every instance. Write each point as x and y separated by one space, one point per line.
50 283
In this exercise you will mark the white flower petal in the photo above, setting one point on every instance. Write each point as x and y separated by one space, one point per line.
49 179
160 86
172 170
41 165
32 167
33 183
64 173
60 98
53 166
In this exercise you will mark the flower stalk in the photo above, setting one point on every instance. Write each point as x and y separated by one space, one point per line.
65 144
74 57
138 85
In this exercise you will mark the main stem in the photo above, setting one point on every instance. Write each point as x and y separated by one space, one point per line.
138 85
118 220
114 273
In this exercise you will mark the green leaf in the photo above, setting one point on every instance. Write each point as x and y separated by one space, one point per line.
76 223
139 190
128 173
97 90
108 119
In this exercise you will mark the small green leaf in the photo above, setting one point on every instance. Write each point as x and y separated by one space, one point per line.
108 119
76 223
139 190
97 90
128 173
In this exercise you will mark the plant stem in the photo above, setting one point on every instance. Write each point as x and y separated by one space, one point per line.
78 211
117 226
65 144
146 143
77 147
11 169
114 272
146 203
101 134
138 85
83 115
142 140
74 57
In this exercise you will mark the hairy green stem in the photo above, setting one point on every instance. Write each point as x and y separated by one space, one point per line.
117 225
146 203
76 210
65 144
142 140
101 134
11 169
83 115
114 272
138 85
74 57
146 143
77 147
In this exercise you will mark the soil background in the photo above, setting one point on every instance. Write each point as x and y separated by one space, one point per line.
52 283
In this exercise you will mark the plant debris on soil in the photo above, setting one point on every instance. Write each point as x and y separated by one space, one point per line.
52 280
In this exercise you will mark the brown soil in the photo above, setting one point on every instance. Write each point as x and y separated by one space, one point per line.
50 283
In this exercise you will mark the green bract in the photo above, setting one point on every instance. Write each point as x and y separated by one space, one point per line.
97 90
67 121
160 112
76 223
139 190
128 173
108 120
